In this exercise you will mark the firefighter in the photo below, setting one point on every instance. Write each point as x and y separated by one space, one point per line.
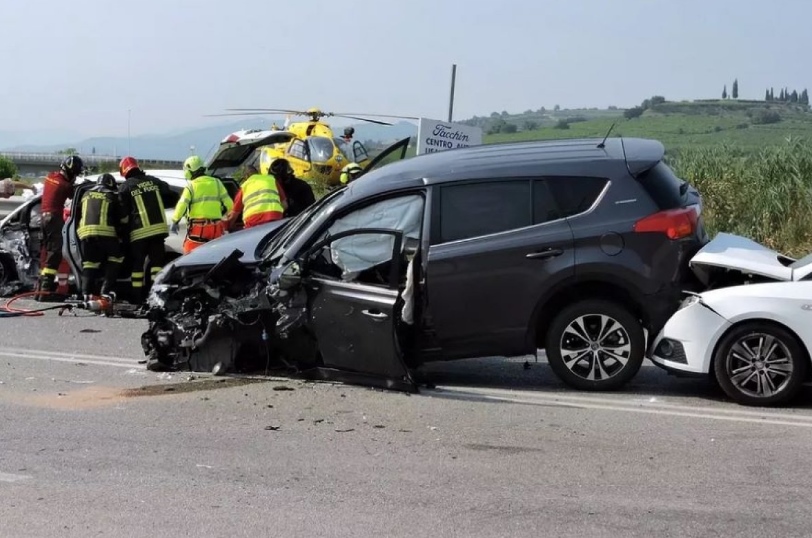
101 222
260 199
298 192
350 173
57 189
142 202
204 202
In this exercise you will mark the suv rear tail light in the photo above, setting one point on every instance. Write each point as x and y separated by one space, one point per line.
674 223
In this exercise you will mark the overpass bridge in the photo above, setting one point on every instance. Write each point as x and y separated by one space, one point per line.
39 164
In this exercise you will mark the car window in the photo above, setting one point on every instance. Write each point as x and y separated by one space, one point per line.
477 209
664 187
357 253
559 197
297 150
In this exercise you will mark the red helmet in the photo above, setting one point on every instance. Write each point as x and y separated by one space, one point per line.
127 165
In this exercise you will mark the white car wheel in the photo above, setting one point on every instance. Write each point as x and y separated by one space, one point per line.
760 364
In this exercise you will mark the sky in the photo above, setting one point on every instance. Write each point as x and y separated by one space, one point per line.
78 67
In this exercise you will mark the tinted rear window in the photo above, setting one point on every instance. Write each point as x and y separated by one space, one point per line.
663 186
559 197
478 209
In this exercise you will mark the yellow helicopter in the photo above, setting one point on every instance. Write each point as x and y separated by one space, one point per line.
314 151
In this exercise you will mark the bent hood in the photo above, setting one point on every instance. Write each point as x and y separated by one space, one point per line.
737 253
247 241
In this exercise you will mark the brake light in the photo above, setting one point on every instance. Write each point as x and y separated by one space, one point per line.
674 223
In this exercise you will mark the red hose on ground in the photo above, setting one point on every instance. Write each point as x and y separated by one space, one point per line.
8 309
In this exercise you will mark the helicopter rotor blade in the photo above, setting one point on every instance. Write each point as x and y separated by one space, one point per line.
375 115
362 119
277 110
235 114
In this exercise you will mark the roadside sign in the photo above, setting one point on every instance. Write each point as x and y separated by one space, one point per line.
436 135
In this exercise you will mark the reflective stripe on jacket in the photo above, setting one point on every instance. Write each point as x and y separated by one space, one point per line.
203 199
142 201
260 195
100 214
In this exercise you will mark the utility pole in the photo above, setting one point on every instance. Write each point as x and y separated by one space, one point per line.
128 131
451 99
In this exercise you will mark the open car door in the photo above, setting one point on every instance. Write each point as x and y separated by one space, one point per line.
390 154
71 251
353 280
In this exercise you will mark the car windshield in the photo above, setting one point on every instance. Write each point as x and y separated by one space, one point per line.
279 244
321 149
803 262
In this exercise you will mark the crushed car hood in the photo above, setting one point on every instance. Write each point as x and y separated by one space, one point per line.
737 253
245 240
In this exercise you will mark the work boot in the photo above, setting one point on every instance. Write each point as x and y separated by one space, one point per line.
46 287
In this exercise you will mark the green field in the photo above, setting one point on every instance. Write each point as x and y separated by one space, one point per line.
683 125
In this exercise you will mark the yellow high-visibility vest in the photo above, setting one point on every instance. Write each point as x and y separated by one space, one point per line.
260 195
204 198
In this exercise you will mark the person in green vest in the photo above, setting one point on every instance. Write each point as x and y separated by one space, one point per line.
204 201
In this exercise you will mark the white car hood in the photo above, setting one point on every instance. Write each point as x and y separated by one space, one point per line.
734 252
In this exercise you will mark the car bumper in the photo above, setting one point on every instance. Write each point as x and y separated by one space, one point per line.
687 341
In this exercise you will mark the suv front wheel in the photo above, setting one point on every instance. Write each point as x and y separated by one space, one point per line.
595 345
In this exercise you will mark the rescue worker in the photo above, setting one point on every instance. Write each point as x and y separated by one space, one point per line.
350 173
204 201
57 189
9 186
142 203
298 192
260 199
100 223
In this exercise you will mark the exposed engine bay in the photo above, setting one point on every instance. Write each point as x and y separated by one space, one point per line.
20 241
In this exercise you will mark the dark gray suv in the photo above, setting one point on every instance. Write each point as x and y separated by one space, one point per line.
573 246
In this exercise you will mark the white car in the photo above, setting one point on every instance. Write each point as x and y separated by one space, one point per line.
753 333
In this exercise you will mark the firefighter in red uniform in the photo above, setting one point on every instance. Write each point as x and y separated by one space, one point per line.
58 188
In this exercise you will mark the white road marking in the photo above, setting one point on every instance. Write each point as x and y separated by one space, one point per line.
68 357
609 404
7 477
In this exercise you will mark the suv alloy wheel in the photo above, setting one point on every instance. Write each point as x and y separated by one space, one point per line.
595 345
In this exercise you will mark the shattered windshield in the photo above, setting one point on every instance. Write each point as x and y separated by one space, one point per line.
277 247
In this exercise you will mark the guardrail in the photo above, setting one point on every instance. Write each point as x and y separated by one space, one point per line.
21 156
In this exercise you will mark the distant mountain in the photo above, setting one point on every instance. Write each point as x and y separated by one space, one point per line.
178 145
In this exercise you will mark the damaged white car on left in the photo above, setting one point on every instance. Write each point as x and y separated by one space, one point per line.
752 329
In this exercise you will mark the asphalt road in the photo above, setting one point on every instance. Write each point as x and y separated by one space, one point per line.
92 444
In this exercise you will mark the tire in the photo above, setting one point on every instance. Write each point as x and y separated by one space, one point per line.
7 270
593 368
742 367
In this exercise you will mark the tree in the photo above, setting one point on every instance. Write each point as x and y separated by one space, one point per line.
772 94
804 99
724 92
557 108
767 95
509 128
735 92
781 96
67 151
793 98
530 125
766 117
7 168
632 113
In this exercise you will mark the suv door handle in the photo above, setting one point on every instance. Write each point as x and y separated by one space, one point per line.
375 315
545 254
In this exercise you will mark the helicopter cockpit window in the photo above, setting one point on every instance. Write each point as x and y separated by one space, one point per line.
344 148
321 149
359 151
297 150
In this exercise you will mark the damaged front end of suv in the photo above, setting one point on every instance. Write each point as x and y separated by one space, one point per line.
219 318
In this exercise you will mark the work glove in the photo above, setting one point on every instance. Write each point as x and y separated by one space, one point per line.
174 228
